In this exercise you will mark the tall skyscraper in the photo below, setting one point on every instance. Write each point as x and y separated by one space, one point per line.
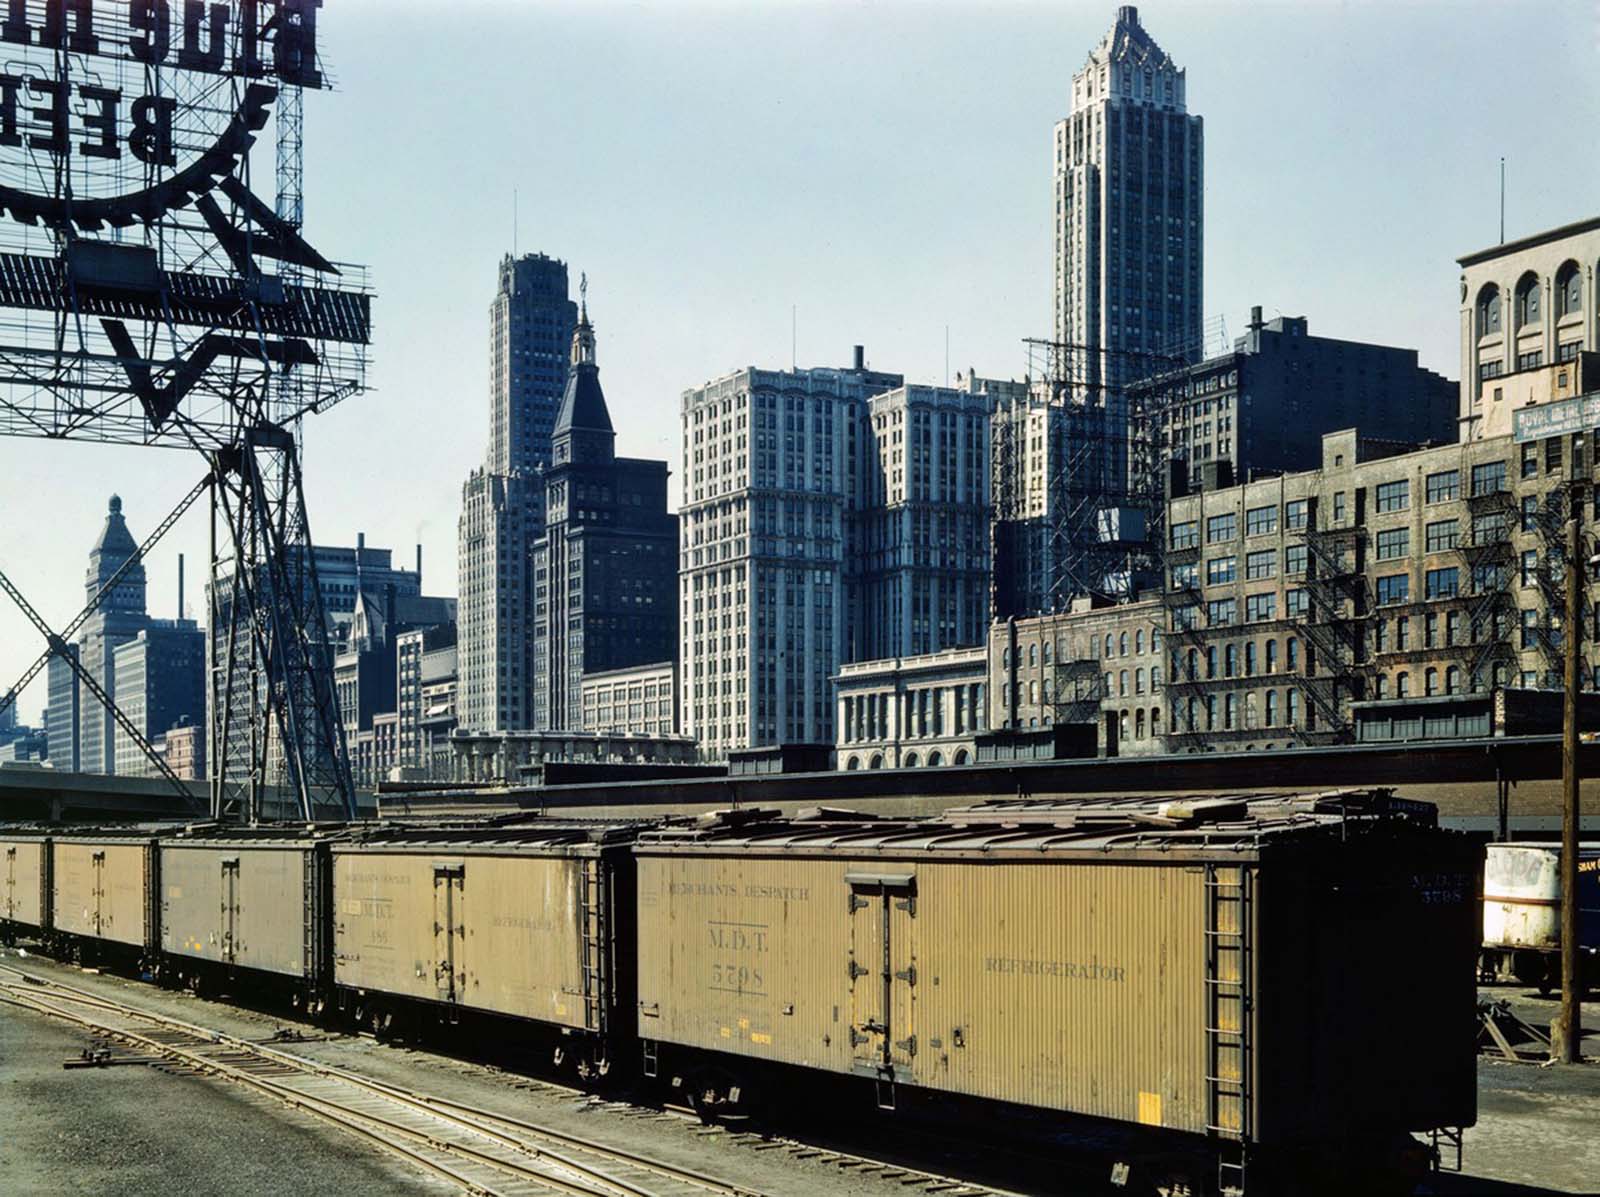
161 682
120 616
1129 219
502 505
772 462
606 569
919 579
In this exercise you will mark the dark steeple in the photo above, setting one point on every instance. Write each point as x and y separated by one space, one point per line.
113 548
583 430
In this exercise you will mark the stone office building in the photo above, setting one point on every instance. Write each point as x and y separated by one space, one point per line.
605 571
913 712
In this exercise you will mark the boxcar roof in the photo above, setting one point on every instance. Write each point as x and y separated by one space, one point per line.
1207 824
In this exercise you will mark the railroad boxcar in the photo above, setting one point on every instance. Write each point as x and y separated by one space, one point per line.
25 877
1522 913
104 903
532 923
1220 970
239 901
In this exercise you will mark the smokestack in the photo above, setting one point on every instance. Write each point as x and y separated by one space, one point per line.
361 551
1255 316
419 565
861 357
180 586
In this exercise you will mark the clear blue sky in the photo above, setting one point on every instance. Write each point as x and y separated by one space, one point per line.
883 168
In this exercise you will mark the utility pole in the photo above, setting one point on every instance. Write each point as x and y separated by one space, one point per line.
1566 1037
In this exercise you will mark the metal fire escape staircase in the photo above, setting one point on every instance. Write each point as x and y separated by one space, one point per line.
1486 555
1338 602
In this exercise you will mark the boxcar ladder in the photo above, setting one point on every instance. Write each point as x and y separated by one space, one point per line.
593 899
1229 1011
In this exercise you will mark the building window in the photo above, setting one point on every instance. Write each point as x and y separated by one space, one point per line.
1441 536
1338 507
1122 644
1185 536
1528 291
1272 708
1394 542
1211 662
1258 521
1530 361
1402 684
1222 527
1489 311
1261 607
1296 514
1569 290
1230 710
1221 570
1184 577
1444 486
1261 564
1272 656
1292 700
1430 682
1530 567
1380 686
1394 588
1250 659
1530 513
1402 633
1394 496
1452 680
1552 455
1230 659
1380 636
1296 603
1430 630
1294 560
1488 478
1443 583
1221 613
1291 657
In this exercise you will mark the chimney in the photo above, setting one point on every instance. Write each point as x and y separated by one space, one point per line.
361 551
180 587
1255 317
419 567
861 357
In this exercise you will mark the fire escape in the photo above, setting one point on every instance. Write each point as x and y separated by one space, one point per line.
1078 688
1550 575
1186 645
1486 555
1338 602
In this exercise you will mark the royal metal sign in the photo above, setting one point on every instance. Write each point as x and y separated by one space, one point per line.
1560 418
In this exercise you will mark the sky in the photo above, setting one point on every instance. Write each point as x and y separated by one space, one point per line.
757 182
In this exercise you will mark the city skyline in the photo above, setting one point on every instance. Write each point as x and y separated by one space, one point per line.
962 171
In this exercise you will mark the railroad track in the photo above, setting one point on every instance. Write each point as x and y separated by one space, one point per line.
477 1150
481 1151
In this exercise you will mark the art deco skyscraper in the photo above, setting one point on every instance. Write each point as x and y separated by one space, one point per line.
502 508
1129 213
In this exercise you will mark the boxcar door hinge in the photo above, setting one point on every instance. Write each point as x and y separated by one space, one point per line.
909 1046
857 970
856 902
908 975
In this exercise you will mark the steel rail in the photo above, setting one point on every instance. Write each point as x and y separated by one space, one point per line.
36 994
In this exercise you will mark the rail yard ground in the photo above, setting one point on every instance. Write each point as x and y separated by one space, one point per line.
139 1130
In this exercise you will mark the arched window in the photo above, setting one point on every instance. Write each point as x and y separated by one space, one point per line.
1272 708
1402 684
1122 645
1138 643
1380 688
1272 656
1528 294
1155 721
1452 680
910 761
1155 640
853 763
935 759
1047 652
1122 684
1033 655
1292 705
1155 678
1108 644
961 757
1108 684
1230 711
1138 680
1005 659
1430 682
1569 290
1138 724
876 762
1230 659
1250 659
1047 688
1489 311
1211 661
1291 654
1122 725
1250 710
1194 664
1033 692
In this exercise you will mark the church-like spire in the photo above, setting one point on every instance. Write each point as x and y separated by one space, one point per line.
583 334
